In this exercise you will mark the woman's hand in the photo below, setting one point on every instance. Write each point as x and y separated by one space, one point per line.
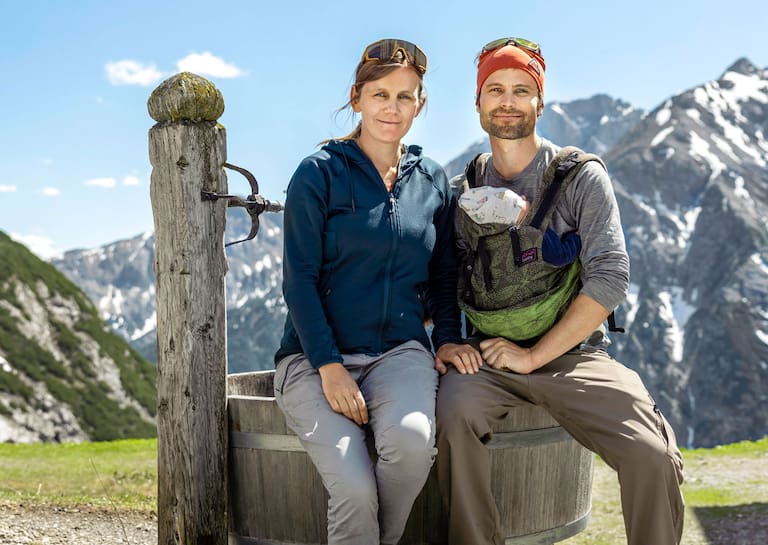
463 357
342 393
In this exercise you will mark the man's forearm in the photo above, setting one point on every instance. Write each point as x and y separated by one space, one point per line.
583 316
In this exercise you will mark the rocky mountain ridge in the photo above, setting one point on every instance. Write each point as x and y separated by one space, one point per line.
692 187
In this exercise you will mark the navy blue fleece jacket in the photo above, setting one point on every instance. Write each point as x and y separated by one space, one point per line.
361 266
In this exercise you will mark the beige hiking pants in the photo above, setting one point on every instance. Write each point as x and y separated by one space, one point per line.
601 403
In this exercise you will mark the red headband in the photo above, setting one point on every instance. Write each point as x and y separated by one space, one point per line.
510 56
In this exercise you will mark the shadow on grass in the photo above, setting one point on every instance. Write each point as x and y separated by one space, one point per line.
745 524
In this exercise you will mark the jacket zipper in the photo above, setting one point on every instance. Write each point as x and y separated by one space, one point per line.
393 224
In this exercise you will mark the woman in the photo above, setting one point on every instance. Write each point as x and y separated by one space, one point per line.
369 248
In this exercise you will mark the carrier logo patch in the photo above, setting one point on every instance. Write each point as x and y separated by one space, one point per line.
529 256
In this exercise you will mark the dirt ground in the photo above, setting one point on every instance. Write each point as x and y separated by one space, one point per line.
29 524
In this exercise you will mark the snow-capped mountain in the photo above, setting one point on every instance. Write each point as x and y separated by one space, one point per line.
120 280
594 124
692 186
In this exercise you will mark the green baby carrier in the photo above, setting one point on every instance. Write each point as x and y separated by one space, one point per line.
506 288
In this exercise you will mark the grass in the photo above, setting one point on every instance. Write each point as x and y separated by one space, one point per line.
121 474
726 487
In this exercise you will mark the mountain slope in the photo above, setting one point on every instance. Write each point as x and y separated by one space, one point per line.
692 186
64 376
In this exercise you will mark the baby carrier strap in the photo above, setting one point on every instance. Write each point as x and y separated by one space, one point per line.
475 169
562 169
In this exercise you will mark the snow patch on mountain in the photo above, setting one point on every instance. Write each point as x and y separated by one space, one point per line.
659 138
150 324
674 336
700 148
632 303
695 115
664 115
725 105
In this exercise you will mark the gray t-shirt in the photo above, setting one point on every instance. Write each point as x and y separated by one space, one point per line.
587 206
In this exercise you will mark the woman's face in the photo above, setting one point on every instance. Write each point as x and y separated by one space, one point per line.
388 105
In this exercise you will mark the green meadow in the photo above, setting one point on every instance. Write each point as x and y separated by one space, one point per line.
121 474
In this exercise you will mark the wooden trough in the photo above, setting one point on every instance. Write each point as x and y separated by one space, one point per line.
542 478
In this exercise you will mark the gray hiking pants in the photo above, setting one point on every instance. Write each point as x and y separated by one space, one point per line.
367 504
601 403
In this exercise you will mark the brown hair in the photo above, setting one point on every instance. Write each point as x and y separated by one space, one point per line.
368 71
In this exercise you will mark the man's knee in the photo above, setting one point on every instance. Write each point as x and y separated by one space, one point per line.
652 455
460 417
455 401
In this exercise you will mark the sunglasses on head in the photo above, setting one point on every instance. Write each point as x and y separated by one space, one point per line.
386 50
522 43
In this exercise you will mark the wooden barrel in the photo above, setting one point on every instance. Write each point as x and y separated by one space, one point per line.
542 478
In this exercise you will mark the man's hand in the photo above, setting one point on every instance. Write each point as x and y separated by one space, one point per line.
505 355
342 393
463 357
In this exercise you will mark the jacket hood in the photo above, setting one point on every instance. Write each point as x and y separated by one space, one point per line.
350 152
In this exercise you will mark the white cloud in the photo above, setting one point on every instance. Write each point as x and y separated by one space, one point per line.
7 188
41 246
51 192
101 182
209 65
131 180
130 72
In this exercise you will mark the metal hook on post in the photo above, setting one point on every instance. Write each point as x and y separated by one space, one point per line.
254 204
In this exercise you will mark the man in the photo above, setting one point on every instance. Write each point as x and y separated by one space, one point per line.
601 403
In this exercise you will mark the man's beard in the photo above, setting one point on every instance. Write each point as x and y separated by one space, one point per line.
522 128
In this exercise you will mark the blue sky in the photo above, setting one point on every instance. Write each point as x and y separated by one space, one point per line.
74 167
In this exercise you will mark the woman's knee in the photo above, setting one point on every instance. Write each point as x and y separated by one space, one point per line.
411 443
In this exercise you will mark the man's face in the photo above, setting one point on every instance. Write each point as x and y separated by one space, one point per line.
509 104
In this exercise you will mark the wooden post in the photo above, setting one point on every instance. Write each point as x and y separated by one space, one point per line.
187 148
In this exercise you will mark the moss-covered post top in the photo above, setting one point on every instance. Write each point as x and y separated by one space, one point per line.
186 97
